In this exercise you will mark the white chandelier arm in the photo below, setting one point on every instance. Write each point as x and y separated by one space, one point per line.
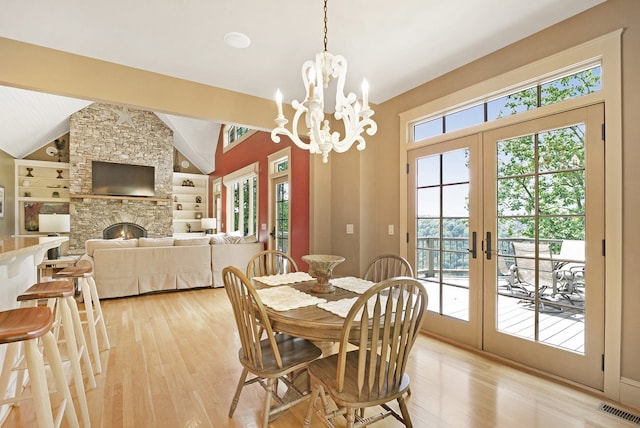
282 130
353 135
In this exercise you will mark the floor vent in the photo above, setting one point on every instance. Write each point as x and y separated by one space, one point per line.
620 413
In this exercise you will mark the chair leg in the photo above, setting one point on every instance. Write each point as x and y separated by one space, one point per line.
271 384
351 417
91 323
315 392
406 419
236 396
98 308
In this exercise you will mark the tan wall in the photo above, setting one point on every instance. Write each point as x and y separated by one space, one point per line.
365 186
7 180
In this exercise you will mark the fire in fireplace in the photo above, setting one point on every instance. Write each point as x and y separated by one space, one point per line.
124 231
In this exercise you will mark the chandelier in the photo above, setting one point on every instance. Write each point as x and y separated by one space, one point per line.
355 115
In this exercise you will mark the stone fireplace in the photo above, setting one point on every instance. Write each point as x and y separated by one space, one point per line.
99 133
124 231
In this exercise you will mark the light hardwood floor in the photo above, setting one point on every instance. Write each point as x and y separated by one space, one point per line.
173 363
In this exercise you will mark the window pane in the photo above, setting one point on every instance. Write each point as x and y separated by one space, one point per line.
515 156
427 129
561 149
428 201
572 86
455 166
516 196
515 103
428 171
455 200
464 118
562 193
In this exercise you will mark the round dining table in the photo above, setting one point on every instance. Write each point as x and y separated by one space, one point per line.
309 322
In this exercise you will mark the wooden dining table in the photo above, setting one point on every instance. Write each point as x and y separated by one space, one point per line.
309 322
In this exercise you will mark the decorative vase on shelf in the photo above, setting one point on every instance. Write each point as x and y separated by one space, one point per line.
59 171
29 172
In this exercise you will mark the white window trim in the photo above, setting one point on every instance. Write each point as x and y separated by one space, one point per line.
229 180
273 159
607 49
226 146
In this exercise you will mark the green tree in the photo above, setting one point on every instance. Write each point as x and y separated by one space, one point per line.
543 174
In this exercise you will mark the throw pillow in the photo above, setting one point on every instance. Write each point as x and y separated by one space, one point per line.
94 244
193 241
156 242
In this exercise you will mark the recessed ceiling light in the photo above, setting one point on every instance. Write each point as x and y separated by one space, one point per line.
237 40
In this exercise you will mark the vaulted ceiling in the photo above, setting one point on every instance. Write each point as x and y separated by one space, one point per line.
396 46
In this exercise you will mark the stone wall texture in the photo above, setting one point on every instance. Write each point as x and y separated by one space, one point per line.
109 133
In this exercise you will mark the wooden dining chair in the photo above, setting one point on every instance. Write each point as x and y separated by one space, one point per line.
387 266
270 357
270 262
385 321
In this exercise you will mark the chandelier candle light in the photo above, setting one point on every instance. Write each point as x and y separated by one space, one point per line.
355 117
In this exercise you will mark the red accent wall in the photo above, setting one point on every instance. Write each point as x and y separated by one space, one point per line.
256 148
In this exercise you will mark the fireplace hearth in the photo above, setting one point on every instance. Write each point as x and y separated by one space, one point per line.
124 231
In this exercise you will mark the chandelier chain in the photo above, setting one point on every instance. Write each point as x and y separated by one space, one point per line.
325 26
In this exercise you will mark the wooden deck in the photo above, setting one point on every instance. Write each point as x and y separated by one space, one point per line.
561 321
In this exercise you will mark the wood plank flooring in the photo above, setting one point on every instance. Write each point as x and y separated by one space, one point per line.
173 363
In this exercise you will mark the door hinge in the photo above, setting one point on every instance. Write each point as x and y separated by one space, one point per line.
603 132
407 237
604 248
602 362
407 168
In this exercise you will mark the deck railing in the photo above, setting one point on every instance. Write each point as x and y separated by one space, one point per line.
454 254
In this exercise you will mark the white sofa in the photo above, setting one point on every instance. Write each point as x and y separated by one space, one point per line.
137 266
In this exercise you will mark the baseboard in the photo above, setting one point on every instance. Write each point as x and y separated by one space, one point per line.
630 393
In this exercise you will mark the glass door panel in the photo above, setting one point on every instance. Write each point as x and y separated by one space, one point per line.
441 209
540 178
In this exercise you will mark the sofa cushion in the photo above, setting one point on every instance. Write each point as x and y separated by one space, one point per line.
156 242
93 244
193 241
218 238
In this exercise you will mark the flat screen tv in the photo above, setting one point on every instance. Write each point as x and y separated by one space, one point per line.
119 179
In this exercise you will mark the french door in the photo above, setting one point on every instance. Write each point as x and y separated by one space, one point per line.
280 215
508 229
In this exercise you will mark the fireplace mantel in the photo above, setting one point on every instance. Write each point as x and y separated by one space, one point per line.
118 198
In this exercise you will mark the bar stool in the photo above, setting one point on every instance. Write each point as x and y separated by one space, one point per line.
25 326
60 299
92 309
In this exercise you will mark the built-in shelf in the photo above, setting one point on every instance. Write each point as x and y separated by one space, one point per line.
120 198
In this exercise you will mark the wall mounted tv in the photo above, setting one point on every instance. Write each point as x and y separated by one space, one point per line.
119 179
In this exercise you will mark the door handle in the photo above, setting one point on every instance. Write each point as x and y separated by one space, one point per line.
273 232
488 246
474 245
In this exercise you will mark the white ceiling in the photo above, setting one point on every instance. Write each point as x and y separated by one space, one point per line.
395 45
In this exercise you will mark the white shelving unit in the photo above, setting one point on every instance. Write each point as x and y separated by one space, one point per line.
187 208
40 186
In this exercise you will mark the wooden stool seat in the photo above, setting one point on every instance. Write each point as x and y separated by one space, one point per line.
26 326
48 290
60 296
92 308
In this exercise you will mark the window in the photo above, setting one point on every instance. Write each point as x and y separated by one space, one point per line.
232 135
242 199
279 200
559 87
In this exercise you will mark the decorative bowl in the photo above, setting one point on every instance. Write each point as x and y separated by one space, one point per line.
321 266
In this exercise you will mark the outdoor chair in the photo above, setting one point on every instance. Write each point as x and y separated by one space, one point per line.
385 321
270 357
536 273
